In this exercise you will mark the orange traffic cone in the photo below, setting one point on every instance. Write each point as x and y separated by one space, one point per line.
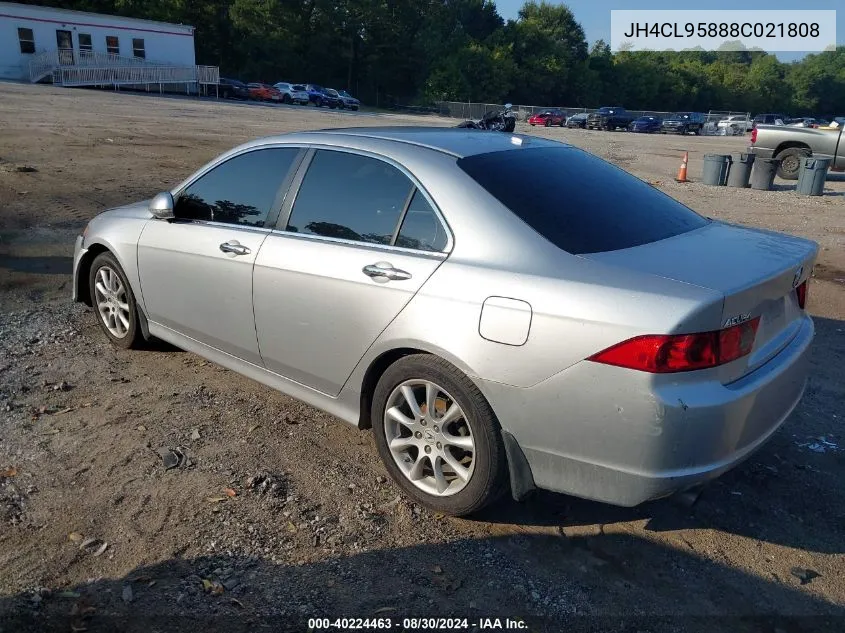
682 170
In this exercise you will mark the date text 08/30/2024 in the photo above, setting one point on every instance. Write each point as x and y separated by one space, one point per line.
414 624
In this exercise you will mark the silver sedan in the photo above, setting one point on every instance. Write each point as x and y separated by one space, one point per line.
581 332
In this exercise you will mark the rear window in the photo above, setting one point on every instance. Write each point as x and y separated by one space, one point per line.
582 204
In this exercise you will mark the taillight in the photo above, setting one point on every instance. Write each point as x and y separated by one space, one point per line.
667 353
753 135
801 293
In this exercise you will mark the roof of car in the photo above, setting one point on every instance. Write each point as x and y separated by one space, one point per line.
458 142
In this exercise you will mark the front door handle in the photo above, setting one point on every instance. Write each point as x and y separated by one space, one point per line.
385 270
235 248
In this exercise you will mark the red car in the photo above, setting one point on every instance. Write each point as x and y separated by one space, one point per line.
548 118
263 92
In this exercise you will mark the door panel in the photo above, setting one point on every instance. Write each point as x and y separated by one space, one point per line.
190 285
317 312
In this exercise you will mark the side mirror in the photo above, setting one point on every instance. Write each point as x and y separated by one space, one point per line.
162 206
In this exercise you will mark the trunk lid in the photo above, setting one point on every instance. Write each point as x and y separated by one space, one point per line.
756 272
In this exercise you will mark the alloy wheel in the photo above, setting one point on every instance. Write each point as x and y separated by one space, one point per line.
112 302
429 438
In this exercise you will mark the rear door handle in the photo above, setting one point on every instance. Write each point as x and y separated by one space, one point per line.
385 270
235 248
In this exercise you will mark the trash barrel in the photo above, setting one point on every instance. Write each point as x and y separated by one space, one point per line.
740 171
812 176
763 173
716 167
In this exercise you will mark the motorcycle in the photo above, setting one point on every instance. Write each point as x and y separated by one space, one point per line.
497 120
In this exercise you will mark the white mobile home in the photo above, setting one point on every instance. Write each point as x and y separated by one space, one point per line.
62 38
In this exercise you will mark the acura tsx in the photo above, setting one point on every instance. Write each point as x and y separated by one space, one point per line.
585 334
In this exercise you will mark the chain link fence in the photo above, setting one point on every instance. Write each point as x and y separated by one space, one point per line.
717 123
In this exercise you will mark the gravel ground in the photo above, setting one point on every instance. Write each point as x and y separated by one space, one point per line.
155 491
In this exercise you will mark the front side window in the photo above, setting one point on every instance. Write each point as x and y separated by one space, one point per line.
112 45
85 43
26 39
138 48
351 197
240 191
590 206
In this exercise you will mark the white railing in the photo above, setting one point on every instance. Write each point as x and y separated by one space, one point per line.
92 68
208 75
42 64
127 75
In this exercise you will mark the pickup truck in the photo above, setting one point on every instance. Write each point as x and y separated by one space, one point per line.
791 144
609 118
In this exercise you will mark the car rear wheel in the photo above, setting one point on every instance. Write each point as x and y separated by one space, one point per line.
790 162
113 302
547 123
438 436
318 102
286 98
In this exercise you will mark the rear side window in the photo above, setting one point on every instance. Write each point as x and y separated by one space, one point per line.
351 197
421 229
582 204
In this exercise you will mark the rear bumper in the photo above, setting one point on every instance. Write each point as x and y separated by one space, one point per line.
625 437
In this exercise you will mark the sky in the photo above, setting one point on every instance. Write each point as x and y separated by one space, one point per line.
594 15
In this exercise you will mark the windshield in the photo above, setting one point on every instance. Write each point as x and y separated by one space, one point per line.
332 92
298 87
681 115
343 93
589 206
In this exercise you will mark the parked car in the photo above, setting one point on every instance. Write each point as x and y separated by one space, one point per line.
577 120
734 125
232 89
684 123
319 97
791 144
547 118
348 101
676 358
647 124
769 119
609 118
292 93
264 92
806 121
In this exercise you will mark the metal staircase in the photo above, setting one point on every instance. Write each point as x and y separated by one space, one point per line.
89 68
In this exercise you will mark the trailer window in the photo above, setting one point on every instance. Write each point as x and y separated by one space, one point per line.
138 48
112 45
85 43
27 41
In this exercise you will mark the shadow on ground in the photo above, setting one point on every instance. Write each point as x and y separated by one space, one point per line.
47 265
559 584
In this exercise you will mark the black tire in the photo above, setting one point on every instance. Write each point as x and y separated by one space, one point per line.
697 131
790 162
133 338
318 102
547 123
489 478
562 123
286 98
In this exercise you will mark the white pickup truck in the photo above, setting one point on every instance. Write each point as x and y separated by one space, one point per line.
791 144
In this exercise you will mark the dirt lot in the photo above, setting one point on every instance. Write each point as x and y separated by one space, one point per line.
95 533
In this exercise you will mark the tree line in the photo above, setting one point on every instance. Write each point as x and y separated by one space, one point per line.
421 51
